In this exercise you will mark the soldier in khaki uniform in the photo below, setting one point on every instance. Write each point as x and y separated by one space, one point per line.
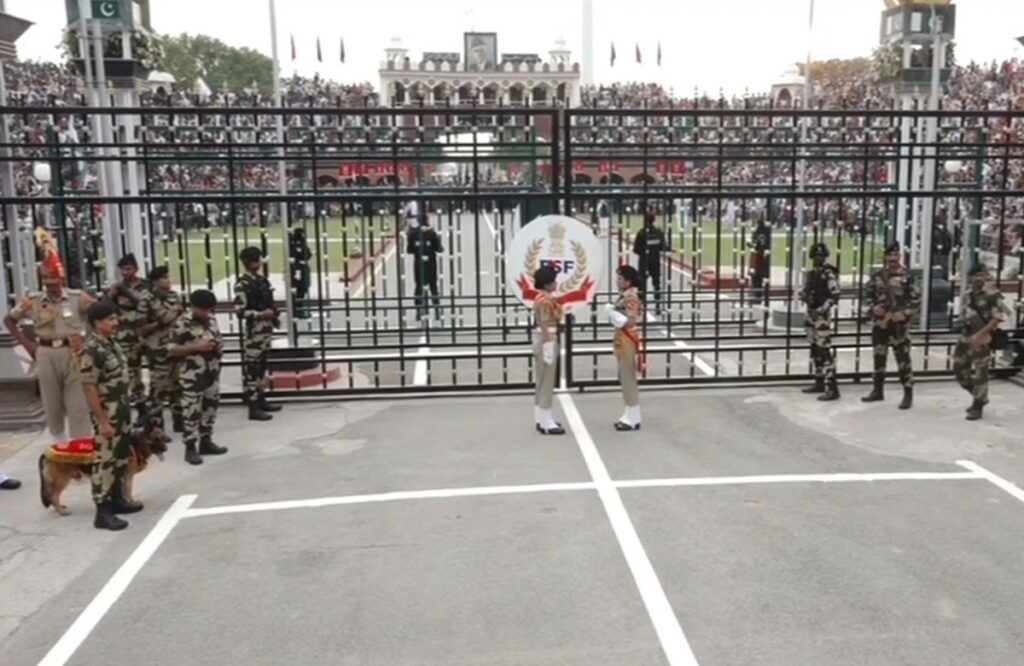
59 318
160 311
548 315
128 295
981 312
625 316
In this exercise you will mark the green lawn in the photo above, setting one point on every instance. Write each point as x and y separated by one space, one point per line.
338 242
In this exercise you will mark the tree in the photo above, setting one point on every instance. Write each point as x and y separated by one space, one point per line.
838 68
188 57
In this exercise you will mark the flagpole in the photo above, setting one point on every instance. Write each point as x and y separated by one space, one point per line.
282 176
797 276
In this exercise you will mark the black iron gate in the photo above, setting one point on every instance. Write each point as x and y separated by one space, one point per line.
739 195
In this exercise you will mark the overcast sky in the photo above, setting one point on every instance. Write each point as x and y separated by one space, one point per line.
710 44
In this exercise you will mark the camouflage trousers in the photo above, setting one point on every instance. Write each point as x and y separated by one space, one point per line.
163 389
130 343
970 366
254 361
199 408
819 334
112 454
897 337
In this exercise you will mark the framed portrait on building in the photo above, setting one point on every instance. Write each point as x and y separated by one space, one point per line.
481 50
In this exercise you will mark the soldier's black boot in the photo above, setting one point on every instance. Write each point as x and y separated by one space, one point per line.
817 387
119 503
831 392
208 448
877 393
975 410
268 407
192 456
107 520
257 414
908 397
177 422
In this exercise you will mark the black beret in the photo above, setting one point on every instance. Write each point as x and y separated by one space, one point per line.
203 298
159 273
892 247
127 260
977 268
250 254
99 311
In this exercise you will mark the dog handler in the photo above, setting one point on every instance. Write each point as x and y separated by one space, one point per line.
107 380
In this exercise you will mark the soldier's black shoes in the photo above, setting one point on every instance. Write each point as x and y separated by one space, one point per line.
10 484
831 393
120 504
817 387
908 398
178 423
257 414
192 456
556 430
876 395
621 426
268 407
106 520
209 448
974 412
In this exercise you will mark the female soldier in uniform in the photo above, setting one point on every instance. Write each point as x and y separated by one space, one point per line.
547 312
624 316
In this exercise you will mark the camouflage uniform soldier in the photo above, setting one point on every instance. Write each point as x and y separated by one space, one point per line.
981 313
198 345
107 382
895 298
548 315
254 303
59 318
128 295
161 309
821 295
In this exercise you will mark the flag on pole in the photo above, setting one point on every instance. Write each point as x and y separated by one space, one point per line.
319 56
1021 40
659 53
292 37
343 50
639 59
613 54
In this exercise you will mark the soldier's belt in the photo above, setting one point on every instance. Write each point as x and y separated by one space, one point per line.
55 343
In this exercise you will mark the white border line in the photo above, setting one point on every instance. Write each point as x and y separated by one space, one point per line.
841 477
101 603
390 497
993 478
666 624
419 373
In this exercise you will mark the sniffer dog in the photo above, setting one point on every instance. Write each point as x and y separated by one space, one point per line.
57 470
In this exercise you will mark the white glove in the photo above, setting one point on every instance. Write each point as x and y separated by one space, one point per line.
617 319
547 352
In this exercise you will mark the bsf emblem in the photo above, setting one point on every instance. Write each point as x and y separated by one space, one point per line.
564 244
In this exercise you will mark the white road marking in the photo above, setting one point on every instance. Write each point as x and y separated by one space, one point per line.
419 374
378 264
102 602
490 225
692 357
797 478
993 478
666 624
389 497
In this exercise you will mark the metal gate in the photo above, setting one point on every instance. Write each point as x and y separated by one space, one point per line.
739 194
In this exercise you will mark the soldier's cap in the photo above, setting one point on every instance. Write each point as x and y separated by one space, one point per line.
127 261
250 255
892 247
651 217
99 311
977 268
159 273
819 250
203 298
544 276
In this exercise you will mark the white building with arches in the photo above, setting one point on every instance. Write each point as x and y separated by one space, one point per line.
514 79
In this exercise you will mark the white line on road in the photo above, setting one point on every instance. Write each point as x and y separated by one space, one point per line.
692 357
102 602
390 497
378 264
419 374
490 225
993 478
666 624
797 478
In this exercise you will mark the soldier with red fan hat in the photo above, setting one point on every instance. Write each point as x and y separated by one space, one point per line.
58 317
